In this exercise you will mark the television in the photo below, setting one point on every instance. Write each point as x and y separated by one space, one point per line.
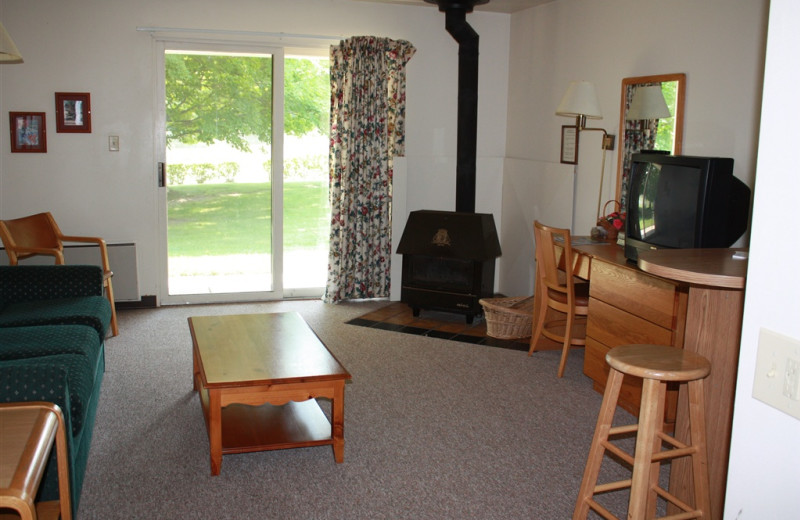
678 201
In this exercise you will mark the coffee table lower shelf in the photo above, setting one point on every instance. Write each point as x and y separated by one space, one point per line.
270 427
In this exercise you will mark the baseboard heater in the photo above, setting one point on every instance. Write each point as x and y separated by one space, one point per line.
122 258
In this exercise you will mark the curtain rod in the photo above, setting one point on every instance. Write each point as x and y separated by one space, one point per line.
238 33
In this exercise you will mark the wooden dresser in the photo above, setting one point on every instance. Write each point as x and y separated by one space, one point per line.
628 306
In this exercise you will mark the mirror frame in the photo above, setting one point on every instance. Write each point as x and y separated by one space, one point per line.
679 104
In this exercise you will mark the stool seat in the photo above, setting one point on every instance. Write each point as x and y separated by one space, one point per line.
658 362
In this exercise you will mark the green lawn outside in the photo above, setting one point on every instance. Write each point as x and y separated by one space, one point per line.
205 219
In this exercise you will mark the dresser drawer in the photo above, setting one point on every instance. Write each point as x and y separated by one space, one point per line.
646 296
612 327
630 394
595 366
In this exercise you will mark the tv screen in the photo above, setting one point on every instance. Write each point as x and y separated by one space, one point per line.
684 202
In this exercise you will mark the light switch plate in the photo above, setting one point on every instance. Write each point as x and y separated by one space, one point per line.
113 143
777 378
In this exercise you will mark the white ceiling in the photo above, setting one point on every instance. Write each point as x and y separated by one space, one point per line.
496 6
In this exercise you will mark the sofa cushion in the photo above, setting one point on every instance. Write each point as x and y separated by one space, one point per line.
48 340
94 311
64 379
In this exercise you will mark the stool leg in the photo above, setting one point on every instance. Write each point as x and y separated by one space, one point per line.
604 421
655 467
647 442
697 430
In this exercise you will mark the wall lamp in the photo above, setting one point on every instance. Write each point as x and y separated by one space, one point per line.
580 101
8 51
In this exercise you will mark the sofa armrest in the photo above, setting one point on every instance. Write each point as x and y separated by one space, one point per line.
24 283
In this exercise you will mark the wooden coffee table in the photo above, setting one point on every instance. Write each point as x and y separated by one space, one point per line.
259 376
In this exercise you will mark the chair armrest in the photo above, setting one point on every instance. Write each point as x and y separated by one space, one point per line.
24 252
92 240
24 283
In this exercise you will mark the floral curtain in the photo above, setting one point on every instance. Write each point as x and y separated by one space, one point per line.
367 131
638 134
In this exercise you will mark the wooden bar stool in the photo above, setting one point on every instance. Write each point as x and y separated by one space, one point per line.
656 365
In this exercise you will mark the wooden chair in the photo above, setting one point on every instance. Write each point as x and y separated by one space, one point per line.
556 290
40 235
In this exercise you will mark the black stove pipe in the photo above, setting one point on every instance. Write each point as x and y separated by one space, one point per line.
456 24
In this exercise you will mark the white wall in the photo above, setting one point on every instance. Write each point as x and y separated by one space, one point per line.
718 44
765 451
93 46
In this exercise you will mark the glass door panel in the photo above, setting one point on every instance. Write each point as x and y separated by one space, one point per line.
306 218
219 180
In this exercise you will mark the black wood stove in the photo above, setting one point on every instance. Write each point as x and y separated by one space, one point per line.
448 261
449 257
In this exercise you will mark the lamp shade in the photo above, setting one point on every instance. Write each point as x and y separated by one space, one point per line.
8 51
580 99
648 103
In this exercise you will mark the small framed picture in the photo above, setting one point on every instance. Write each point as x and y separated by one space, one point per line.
73 112
569 144
28 132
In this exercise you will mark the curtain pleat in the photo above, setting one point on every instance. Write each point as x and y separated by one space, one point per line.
367 132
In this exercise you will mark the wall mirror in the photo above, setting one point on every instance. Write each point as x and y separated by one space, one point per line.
649 121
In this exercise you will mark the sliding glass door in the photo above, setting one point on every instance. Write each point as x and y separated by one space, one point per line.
245 199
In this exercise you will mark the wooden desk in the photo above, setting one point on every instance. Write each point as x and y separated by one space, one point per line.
628 306
713 329
585 248
28 432
242 362
699 267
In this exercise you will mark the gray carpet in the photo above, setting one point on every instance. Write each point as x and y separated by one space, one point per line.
433 429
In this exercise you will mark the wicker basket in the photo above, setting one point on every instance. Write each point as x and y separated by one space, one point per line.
611 231
508 318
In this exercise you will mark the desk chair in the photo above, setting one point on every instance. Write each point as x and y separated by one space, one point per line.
558 292
40 235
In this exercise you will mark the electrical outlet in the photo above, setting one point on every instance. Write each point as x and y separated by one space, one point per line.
777 377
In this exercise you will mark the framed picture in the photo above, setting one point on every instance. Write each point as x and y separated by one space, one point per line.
73 112
28 132
569 144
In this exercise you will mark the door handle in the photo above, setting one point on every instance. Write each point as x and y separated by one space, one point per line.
162 175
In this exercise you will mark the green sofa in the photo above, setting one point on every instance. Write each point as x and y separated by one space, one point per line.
53 324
